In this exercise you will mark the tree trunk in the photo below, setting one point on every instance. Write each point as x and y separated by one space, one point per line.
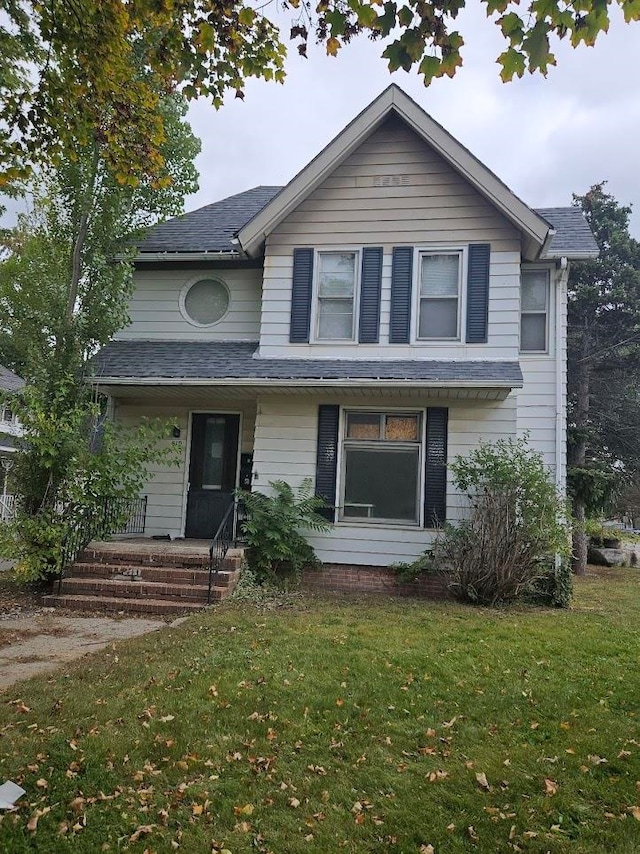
579 457
580 538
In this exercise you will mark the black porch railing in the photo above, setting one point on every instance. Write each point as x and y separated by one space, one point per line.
220 546
113 516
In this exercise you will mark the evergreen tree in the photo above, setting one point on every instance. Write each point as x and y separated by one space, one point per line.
603 363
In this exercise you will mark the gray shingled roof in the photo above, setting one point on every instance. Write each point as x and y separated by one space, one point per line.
227 360
573 237
211 228
10 381
208 229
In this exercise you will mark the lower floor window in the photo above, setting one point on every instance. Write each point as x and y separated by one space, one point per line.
381 465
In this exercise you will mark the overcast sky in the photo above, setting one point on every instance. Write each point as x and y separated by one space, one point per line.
545 138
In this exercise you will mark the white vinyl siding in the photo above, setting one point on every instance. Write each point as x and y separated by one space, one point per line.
433 208
155 313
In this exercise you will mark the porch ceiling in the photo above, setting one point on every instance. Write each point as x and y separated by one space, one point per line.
207 394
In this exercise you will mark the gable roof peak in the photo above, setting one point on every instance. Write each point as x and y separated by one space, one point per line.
534 228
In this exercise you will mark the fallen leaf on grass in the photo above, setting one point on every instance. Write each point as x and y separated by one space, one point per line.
77 804
166 718
294 802
247 809
32 824
427 849
635 812
550 786
482 781
42 784
143 830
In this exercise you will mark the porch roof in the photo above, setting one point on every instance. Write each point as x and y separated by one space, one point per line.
232 363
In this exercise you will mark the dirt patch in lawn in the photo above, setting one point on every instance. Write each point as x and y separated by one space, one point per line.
31 644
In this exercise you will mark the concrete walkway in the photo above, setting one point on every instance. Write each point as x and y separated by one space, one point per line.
40 642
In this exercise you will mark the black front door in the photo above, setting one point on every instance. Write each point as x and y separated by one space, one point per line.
213 469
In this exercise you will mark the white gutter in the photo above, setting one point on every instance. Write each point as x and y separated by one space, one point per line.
301 383
186 256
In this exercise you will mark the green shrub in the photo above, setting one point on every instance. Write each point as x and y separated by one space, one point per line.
274 525
506 547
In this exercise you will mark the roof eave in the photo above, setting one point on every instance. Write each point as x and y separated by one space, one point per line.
534 228
352 382
211 255
572 255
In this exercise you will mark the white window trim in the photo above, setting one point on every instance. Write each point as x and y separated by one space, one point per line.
462 252
362 522
203 277
550 312
315 314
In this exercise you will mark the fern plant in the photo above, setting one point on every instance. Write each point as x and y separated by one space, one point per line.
274 525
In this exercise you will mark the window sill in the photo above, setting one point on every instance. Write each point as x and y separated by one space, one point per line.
368 523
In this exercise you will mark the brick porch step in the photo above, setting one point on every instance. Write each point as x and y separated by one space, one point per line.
120 589
150 555
142 572
112 603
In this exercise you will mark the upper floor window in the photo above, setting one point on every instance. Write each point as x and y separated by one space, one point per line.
440 286
534 311
336 296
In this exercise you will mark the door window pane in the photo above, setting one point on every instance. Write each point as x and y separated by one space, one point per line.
213 453
381 483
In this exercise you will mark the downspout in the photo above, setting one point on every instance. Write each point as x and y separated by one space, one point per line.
561 358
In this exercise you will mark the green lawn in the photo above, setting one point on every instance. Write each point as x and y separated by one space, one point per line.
341 725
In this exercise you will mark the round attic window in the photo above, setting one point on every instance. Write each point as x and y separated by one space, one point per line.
205 301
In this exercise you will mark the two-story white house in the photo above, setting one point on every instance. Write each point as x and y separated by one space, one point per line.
382 313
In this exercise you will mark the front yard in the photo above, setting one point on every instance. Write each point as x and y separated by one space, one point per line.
341 725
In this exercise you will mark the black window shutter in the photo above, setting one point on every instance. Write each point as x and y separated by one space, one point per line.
301 289
327 458
435 487
370 285
478 293
401 282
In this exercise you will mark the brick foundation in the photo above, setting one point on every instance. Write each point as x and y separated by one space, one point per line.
348 578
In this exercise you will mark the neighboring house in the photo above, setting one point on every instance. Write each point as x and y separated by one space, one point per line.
387 310
9 430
